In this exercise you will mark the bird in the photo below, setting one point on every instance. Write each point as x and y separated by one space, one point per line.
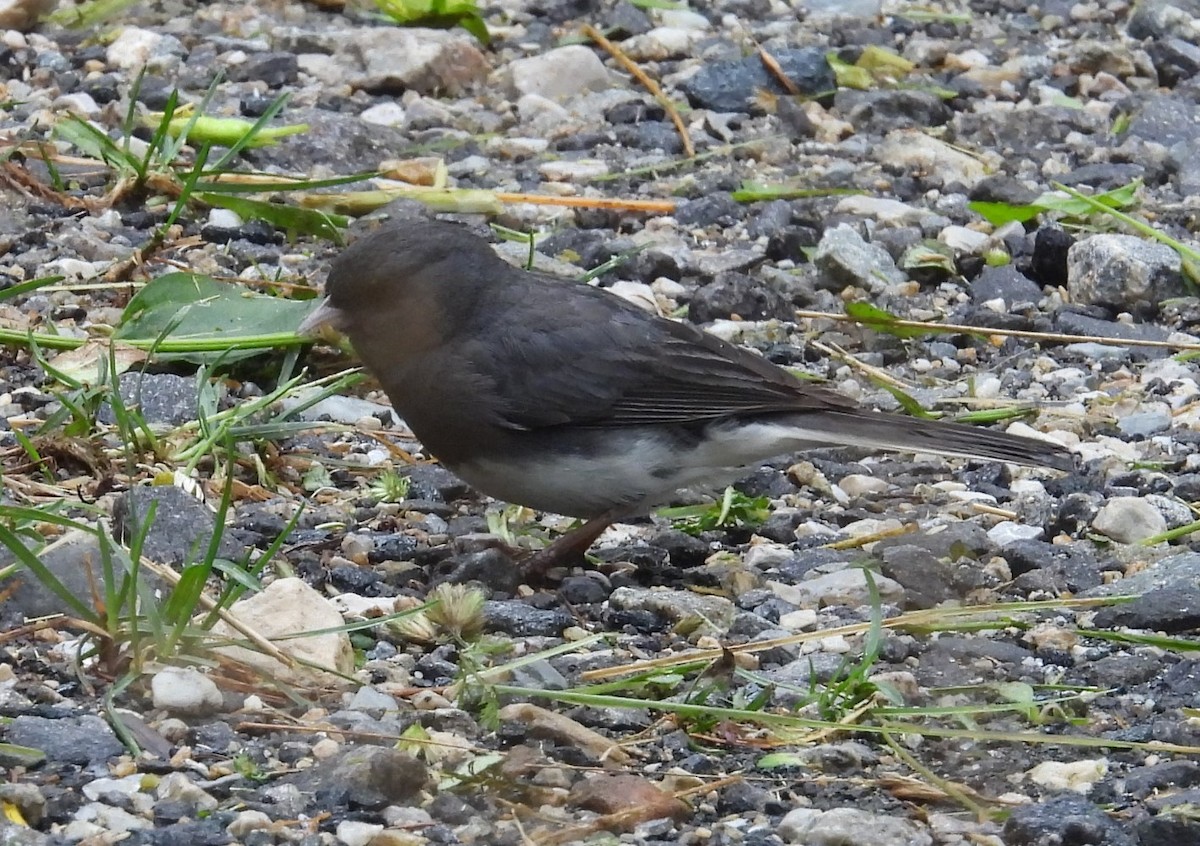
544 392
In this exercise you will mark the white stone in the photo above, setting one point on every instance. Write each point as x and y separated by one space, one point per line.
179 788
764 556
288 607
638 293
845 587
579 170
912 149
661 43
1129 519
858 485
126 786
1078 776
559 73
389 113
246 822
1007 532
684 19
883 209
134 48
224 218
963 239
354 833
850 825
112 820
795 621
80 103
185 691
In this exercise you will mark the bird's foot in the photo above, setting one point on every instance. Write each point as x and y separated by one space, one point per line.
566 550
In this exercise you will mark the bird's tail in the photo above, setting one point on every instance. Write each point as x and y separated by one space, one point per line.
893 432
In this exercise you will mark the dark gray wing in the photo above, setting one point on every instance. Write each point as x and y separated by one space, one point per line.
596 360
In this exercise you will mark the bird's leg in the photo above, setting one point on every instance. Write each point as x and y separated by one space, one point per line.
569 548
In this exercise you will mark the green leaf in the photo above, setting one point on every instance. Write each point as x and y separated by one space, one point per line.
994 415
199 308
289 218
22 288
735 509
181 605
88 15
847 75
782 761
1073 205
907 402
999 214
442 14
882 63
92 142
753 192
1063 202
881 321
229 131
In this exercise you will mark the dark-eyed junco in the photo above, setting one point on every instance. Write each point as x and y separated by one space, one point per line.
565 398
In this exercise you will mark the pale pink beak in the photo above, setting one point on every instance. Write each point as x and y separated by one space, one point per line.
320 317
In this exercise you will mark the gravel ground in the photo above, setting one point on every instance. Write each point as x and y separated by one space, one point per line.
1003 101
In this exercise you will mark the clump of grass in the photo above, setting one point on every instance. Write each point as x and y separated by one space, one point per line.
389 486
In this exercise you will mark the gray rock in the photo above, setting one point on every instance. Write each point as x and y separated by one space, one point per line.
1167 121
927 580
1175 59
341 409
429 61
84 740
738 294
1006 532
540 675
732 85
1123 271
522 620
1103 176
715 613
1063 819
844 587
1143 424
371 701
73 559
1073 323
369 777
625 19
96 817
952 541
838 826
1158 18
1175 569
879 111
160 398
1004 283
1175 512
28 798
1172 609
181 529
845 259
1072 567
179 788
